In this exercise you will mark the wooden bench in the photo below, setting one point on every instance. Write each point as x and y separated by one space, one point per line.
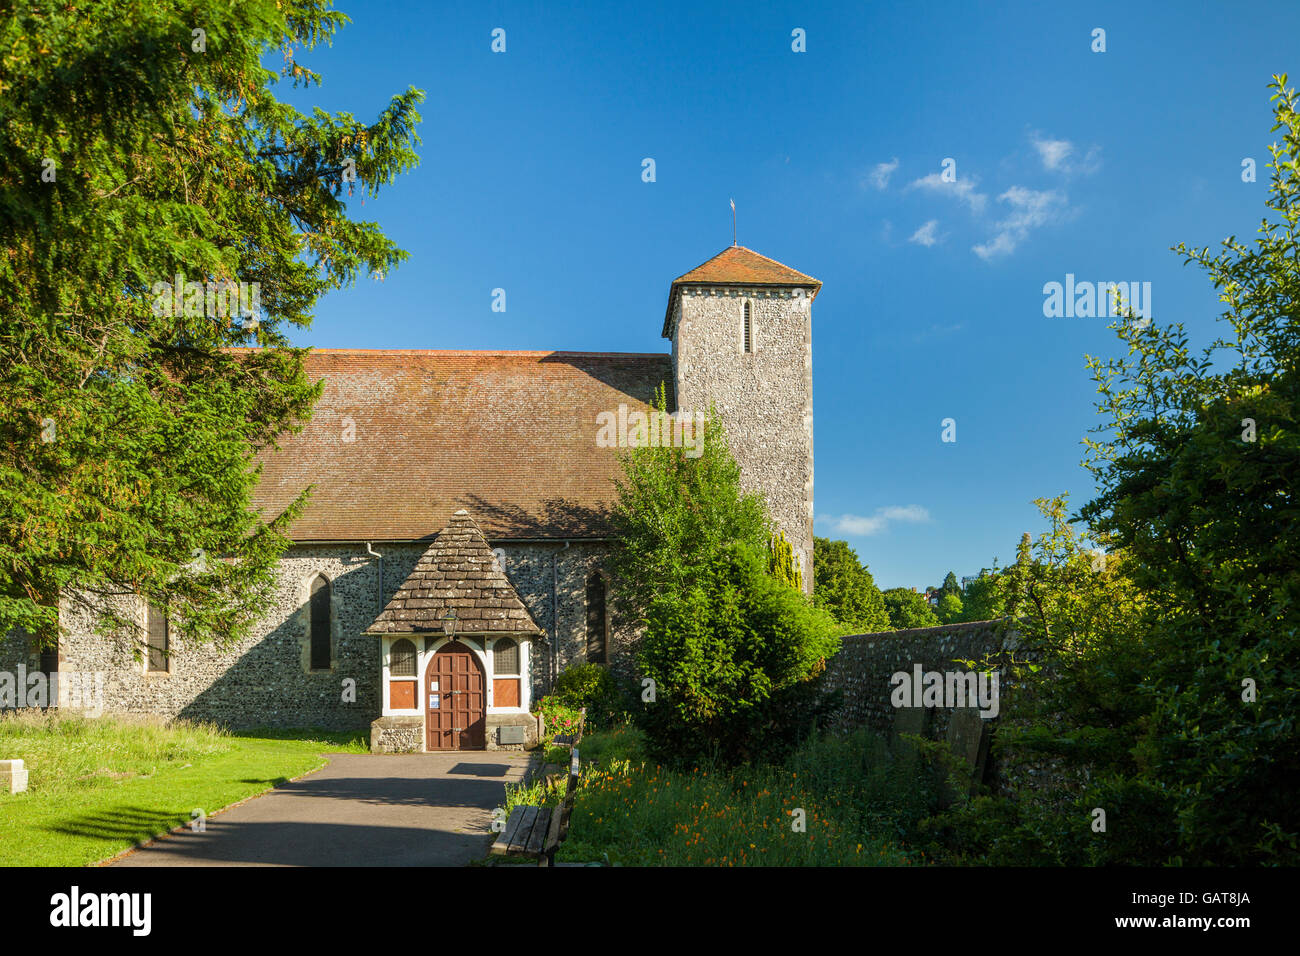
537 832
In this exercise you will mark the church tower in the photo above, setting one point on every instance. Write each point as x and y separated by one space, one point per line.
741 328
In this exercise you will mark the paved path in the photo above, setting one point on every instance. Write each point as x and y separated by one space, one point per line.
358 810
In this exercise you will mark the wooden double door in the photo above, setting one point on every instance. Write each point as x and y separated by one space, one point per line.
455 715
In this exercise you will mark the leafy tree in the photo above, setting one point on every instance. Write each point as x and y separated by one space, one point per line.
982 598
142 142
1163 668
949 610
906 608
1197 465
1073 710
674 515
844 587
730 648
732 656
950 585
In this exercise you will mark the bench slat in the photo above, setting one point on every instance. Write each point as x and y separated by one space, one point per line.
504 838
541 827
520 836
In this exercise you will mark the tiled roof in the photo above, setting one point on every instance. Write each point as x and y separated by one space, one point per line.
457 572
737 265
510 436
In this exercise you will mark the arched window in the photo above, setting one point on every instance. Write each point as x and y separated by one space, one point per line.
157 637
401 659
597 623
320 624
748 335
505 673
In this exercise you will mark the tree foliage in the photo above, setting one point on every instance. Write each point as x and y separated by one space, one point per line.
1079 650
782 564
949 609
844 587
730 649
982 599
1167 675
907 608
1197 465
142 142
674 514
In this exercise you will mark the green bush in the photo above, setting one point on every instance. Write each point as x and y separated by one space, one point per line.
591 686
732 657
907 609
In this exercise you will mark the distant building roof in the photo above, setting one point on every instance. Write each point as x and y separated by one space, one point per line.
736 265
402 439
457 573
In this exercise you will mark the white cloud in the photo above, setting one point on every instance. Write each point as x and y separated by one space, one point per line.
1030 209
1053 152
864 526
961 189
1058 156
925 236
879 177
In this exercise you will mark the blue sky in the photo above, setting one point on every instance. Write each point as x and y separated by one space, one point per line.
1066 161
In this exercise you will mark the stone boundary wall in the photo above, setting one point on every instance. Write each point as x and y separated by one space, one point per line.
865 663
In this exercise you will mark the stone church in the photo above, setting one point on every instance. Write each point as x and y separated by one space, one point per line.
451 562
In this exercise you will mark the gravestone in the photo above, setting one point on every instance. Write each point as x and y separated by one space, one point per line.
13 776
912 720
968 736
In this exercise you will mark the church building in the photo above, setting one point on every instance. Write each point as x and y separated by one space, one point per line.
451 562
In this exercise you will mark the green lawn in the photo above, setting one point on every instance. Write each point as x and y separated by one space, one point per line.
100 786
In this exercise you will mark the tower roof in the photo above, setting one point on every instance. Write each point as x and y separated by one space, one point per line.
459 573
737 265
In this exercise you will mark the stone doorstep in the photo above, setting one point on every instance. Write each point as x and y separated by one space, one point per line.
13 775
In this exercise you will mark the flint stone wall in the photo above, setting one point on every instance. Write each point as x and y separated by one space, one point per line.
266 680
866 662
764 397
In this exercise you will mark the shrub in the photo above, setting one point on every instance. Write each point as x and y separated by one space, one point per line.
591 686
732 656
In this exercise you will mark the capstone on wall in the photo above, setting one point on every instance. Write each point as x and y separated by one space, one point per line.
763 397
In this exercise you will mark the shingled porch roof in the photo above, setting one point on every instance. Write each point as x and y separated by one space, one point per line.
456 572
